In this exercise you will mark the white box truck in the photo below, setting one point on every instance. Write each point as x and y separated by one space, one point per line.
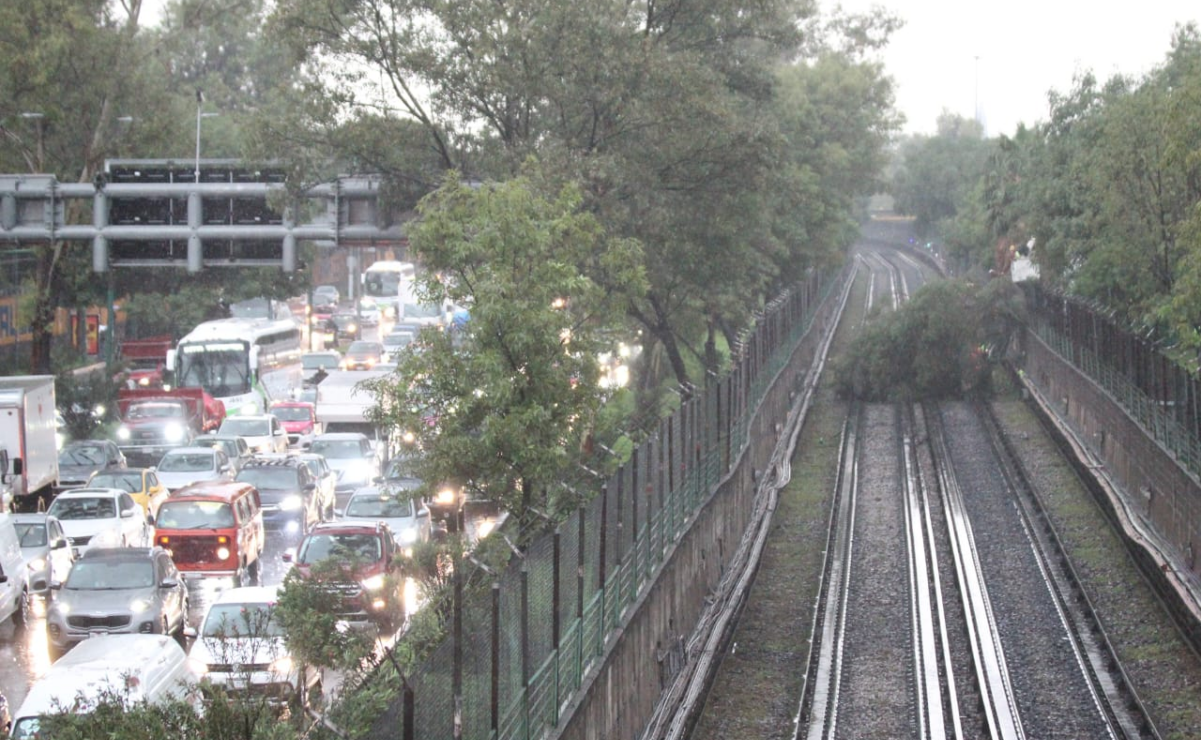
342 405
28 435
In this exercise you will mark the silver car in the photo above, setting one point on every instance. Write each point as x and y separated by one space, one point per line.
44 546
115 590
408 518
183 466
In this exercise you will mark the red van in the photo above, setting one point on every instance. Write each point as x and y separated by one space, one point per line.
213 529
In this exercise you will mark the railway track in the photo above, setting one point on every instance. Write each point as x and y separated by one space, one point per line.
983 630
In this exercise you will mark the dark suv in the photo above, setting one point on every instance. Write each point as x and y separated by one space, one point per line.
290 496
370 587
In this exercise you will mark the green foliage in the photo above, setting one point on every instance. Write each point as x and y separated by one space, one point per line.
938 345
206 712
514 395
308 609
85 401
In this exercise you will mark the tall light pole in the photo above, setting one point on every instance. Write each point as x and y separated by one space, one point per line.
199 115
39 163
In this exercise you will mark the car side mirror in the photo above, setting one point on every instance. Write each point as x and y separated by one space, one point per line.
127 514
423 512
56 585
190 632
287 557
310 487
339 513
58 544
169 583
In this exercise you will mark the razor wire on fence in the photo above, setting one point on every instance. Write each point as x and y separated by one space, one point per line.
526 643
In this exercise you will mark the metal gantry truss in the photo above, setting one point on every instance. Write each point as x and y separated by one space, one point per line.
159 213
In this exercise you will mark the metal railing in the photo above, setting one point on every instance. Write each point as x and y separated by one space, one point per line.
530 639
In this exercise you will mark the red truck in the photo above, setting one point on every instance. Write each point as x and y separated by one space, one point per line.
154 420
146 359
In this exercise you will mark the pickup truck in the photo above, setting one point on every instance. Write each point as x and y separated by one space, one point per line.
154 421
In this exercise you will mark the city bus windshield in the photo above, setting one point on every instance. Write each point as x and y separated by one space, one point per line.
221 368
382 284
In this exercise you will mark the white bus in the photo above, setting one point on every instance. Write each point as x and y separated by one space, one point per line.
245 363
388 283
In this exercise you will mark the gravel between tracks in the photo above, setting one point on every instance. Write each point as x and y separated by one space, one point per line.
1165 671
1053 697
876 694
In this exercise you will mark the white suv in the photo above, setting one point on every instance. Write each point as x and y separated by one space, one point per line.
241 646
101 517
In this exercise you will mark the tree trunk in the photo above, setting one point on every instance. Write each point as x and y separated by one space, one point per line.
41 327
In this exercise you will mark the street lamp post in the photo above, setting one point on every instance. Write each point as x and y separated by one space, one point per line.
199 115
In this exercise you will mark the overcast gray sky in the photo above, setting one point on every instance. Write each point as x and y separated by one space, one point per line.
954 54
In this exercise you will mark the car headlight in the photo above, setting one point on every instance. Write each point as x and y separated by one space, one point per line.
350 327
408 535
197 667
374 583
61 607
281 666
173 432
123 433
291 503
358 470
137 606
408 438
37 564
445 496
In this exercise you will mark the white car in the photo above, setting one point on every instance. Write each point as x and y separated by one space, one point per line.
262 432
184 466
408 518
101 517
326 477
45 548
241 647
351 455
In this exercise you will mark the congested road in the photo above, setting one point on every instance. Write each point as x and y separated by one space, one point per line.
25 655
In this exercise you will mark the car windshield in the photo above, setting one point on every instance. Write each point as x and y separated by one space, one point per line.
194 515
156 411
83 507
269 477
314 362
317 547
293 413
314 466
377 506
337 449
362 348
246 427
226 621
186 462
131 482
83 455
31 534
109 575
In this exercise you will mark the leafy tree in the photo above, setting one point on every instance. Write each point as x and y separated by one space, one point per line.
69 70
941 344
509 415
